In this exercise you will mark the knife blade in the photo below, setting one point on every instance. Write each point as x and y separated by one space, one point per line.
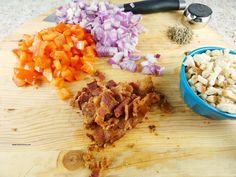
142 7
51 18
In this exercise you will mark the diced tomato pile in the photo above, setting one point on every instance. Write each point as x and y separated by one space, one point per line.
58 54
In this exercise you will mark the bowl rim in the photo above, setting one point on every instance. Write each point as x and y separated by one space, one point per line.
184 79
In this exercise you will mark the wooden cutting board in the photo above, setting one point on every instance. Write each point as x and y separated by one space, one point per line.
36 127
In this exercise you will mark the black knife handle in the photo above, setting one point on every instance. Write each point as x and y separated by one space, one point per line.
152 6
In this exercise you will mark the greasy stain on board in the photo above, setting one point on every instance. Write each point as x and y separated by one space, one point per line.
11 109
20 144
14 129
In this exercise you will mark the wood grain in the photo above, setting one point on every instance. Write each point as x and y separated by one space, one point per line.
35 127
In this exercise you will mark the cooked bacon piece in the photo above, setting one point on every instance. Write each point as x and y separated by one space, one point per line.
107 100
99 75
116 108
119 110
107 105
95 173
74 101
144 105
97 167
146 86
136 89
166 107
113 121
94 89
92 86
134 105
89 112
81 98
97 91
124 89
111 84
107 136
126 112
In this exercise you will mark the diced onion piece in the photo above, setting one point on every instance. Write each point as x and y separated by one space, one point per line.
111 61
118 57
158 56
129 65
151 58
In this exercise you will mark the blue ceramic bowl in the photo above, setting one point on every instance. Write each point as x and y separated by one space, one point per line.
193 101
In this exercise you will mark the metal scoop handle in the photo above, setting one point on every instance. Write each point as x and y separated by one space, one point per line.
152 6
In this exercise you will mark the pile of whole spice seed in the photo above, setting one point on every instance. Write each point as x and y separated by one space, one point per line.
180 34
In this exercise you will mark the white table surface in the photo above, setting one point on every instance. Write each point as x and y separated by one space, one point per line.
13 13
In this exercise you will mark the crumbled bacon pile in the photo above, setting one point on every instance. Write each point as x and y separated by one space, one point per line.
110 109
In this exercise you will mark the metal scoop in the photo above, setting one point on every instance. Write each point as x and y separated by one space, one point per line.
197 15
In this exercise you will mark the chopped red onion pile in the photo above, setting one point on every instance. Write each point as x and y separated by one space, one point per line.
115 31
150 66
